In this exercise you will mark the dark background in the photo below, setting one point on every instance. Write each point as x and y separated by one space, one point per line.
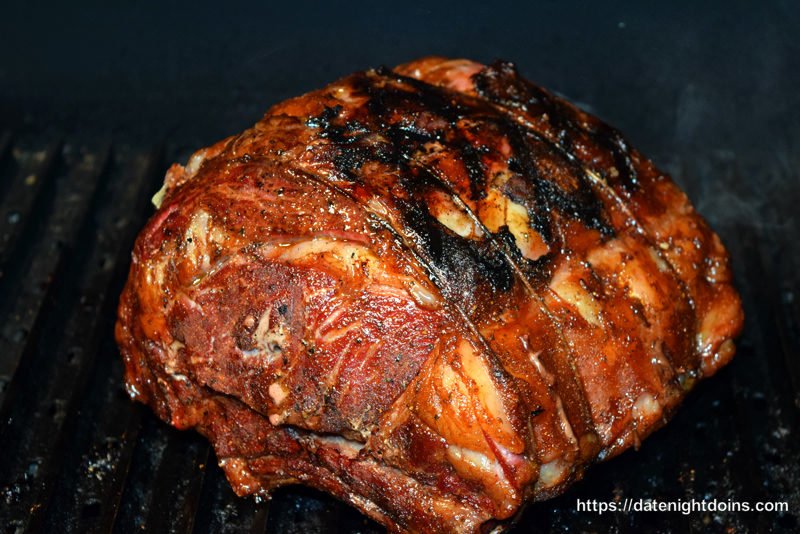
720 75
710 92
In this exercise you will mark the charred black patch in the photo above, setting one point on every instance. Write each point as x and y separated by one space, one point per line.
613 141
422 95
350 159
541 195
533 197
500 83
324 119
585 208
461 264
471 158
405 141
447 106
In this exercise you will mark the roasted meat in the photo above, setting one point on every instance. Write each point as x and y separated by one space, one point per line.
437 292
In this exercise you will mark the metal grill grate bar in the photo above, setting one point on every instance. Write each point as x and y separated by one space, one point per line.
55 367
24 209
33 295
101 419
6 163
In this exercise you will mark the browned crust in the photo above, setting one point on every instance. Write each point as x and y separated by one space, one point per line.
344 296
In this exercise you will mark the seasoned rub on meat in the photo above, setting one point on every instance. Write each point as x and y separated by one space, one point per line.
437 292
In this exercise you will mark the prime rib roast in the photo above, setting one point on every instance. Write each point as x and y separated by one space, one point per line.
437 292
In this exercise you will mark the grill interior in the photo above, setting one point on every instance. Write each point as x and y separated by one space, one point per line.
76 455
79 456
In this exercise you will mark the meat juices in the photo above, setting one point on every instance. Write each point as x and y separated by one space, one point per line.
436 292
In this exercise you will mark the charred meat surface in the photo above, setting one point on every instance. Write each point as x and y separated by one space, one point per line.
436 291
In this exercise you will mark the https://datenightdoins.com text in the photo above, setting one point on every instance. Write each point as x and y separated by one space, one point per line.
686 507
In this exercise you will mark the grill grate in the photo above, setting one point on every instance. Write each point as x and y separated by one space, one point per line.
78 456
